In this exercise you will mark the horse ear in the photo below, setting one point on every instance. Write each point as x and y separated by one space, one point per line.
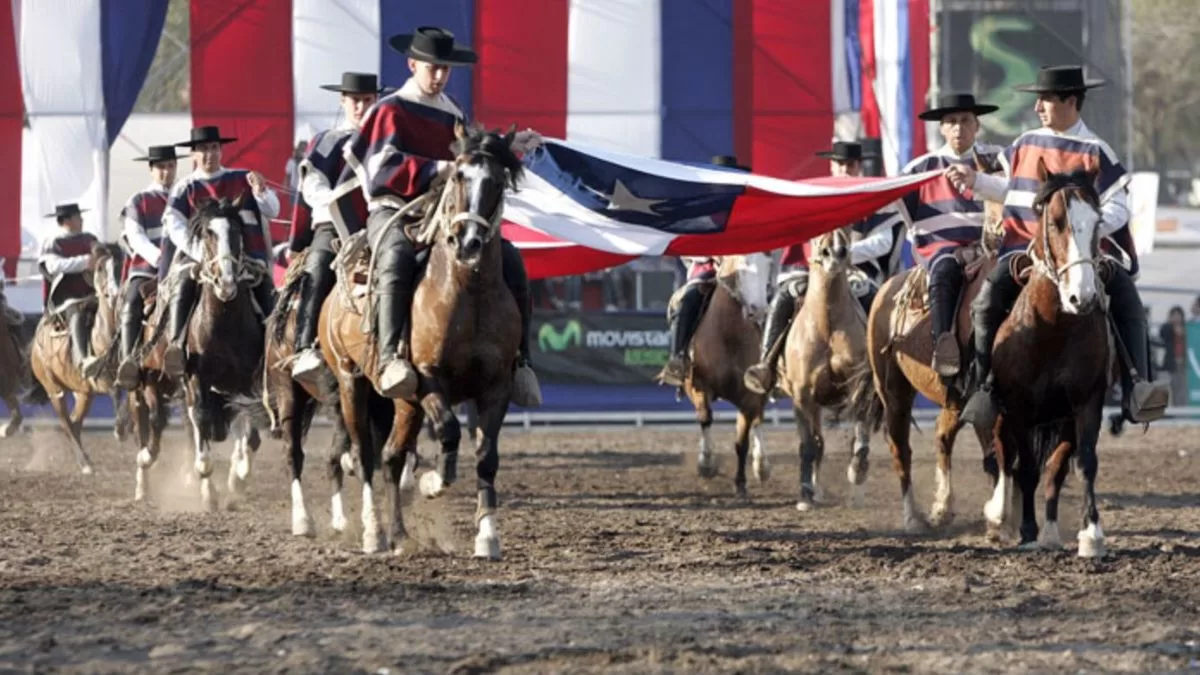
1042 172
460 130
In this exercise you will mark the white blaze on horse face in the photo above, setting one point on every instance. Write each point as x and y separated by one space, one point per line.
753 276
1078 291
225 260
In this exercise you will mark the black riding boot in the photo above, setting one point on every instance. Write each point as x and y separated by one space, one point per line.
526 391
79 323
1143 400
264 295
683 327
181 311
397 267
131 335
945 285
760 377
995 299
309 364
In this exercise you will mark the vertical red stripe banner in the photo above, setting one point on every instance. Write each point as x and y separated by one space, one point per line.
792 113
521 77
242 80
12 123
919 26
866 37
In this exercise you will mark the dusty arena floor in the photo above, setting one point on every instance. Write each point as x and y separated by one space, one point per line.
617 558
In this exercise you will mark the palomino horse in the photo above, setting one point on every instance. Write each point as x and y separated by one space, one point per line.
825 365
1053 364
724 346
292 405
463 340
50 356
224 343
900 345
13 369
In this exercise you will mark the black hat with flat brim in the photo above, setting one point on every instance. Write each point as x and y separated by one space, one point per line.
948 104
433 45
358 83
843 151
159 153
1059 79
202 135
64 211
729 161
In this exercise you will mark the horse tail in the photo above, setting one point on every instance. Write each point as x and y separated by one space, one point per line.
865 405
37 394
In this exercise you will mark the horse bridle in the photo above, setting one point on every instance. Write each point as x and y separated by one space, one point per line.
244 270
442 221
1044 266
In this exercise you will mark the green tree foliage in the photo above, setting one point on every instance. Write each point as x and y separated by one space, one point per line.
1166 83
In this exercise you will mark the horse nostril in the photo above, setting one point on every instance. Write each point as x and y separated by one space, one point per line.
1074 300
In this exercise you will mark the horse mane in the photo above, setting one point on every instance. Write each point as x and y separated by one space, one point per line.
480 141
1056 182
109 249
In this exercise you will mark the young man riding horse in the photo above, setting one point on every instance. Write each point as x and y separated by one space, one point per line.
66 262
142 230
943 221
312 226
401 151
686 318
875 253
1065 144
209 182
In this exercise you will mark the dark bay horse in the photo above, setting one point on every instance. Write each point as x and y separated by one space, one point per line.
149 401
292 406
464 337
55 371
13 365
1053 365
224 344
724 346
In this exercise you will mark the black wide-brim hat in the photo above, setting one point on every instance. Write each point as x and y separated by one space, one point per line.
358 83
843 151
62 211
1058 79
729 161
201 135
433 45
953 103
159 153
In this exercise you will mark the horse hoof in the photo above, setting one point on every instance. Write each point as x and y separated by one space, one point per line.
303 527
1049 538
487 542
707 469
1028 546
762 470
741 492
144 459
86 469
916 525
407 481
373 542
432 484
9 430
347 464
940 517
805 505
1091 542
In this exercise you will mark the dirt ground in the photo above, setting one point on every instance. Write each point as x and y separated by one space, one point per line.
617 558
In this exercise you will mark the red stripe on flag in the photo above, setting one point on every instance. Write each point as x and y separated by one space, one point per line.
869 113
242 81
521 77
918 59
547 257
792 116
12 123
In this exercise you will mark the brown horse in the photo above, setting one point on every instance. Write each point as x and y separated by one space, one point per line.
225 344
463 340
1053 365
50 356
825 365
724 346
900 346
13 366
292 405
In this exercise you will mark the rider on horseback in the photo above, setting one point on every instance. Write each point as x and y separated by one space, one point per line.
142 231
402 150
874 253
65 261
686 318
320 169
1065 144
943 221
211 181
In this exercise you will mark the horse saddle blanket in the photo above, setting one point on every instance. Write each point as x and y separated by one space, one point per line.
355 266
911 331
